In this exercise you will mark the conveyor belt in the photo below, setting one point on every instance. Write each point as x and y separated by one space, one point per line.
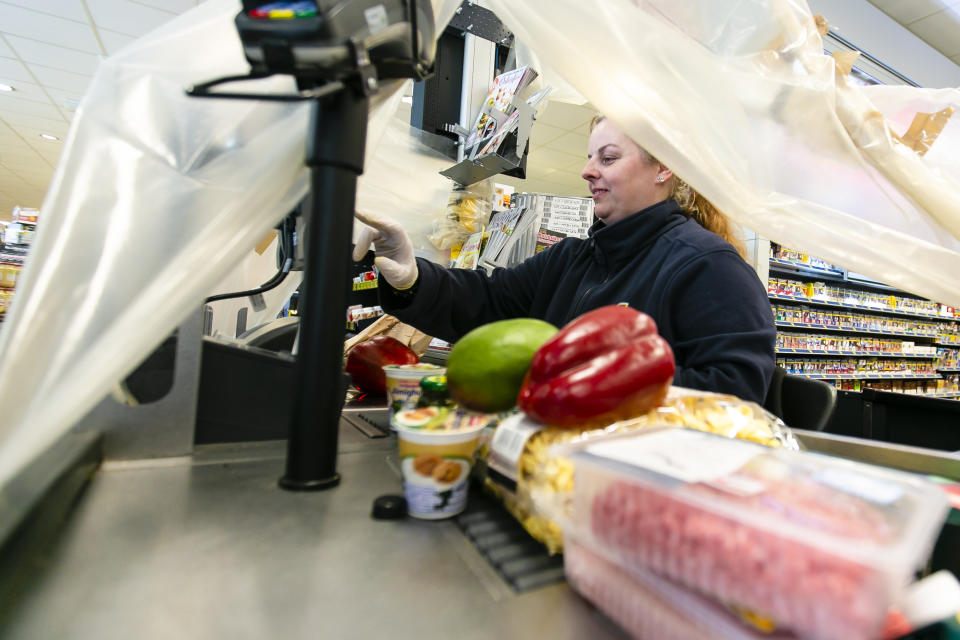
371 423
521 561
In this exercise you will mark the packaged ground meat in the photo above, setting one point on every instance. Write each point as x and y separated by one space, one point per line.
649 607
819 545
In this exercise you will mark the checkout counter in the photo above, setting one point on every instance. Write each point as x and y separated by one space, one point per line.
205 545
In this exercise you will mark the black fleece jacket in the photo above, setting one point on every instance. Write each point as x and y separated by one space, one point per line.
707 302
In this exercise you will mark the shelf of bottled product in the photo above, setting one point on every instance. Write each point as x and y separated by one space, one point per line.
855 306
819 327
885 375
830 352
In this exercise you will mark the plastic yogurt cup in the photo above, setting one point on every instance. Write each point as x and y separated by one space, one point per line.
436 467
403 384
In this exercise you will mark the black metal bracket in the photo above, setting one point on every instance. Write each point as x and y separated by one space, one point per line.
481 22
470 171
366 72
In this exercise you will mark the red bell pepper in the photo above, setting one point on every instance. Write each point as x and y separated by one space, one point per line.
609 364
365 362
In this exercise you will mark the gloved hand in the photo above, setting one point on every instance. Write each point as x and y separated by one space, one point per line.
394 250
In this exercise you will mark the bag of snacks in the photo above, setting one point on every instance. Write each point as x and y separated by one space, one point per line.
468 211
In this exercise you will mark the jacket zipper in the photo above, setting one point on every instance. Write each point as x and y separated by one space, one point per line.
584 295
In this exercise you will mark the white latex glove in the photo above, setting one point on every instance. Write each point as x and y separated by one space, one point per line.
394 250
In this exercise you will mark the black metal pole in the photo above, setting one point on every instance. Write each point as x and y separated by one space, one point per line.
335 148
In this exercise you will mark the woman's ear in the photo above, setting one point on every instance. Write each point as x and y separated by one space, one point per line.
663 174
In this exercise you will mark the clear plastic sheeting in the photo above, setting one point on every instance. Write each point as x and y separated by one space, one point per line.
900 106
254 270
561 91
738 98
403 180
156 198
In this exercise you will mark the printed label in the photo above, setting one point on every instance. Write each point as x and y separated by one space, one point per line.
428 502
570 216
739 485
689 456
507 446
257 302
435 485
548 238
567 229
873 489
567 204
401 394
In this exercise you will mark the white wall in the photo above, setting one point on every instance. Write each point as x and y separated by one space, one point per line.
875 33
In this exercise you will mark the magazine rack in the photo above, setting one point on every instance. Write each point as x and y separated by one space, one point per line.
514 240
518 247
509 158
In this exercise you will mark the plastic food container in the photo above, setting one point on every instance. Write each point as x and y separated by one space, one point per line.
819 545
436 467
403 384
649 607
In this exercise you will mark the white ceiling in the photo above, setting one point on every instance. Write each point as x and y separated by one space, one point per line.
936 22
49 50
558 152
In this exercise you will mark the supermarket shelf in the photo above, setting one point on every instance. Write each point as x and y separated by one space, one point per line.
884 354
795 267
867 376
833 275
949 369
947 344
820 327
856 307
932 394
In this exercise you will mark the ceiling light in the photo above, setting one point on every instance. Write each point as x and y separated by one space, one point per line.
47 136
6 87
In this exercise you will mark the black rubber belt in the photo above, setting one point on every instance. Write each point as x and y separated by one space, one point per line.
521 561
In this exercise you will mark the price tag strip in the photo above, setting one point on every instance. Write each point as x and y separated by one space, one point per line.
509 441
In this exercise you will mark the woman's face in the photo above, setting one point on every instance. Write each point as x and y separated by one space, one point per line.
621 177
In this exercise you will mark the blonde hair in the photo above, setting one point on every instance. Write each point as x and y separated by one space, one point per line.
693 204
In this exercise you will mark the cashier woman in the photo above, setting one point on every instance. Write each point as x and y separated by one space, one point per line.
657 246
